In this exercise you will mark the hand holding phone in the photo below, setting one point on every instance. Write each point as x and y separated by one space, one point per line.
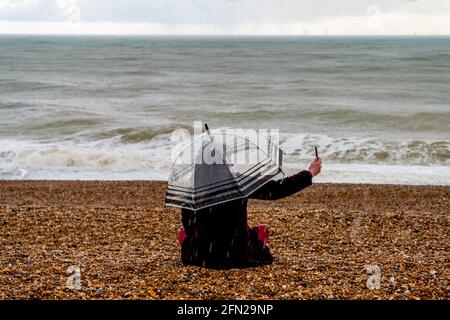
316 165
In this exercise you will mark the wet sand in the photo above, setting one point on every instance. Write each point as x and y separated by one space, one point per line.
329 242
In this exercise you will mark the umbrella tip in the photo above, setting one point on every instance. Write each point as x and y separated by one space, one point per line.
207 128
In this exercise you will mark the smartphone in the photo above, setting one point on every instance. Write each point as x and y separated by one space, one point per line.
317 154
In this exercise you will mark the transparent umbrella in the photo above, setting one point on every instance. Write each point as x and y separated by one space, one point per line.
222 166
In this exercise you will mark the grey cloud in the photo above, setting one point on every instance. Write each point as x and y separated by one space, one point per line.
219 12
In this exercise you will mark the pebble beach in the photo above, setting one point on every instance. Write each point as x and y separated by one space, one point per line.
330 241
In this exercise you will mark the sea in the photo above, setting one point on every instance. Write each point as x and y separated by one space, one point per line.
106 107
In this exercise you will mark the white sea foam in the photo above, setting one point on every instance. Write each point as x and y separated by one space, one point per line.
368 150
22 160
379 174
152 161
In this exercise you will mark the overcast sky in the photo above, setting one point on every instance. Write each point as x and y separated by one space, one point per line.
289 17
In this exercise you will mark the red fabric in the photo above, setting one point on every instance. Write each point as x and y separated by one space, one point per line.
263 233
181 236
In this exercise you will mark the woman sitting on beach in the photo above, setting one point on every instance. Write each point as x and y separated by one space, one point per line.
219 237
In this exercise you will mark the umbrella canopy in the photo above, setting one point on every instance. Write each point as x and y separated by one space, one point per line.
221 166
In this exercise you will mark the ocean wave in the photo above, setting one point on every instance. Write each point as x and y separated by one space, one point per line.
368 150
137 154
141 71
432 57
7 105
36 86
420 121
68 123
28 157
250 114
337 118
132 135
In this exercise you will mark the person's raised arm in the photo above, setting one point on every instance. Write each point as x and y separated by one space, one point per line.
285 187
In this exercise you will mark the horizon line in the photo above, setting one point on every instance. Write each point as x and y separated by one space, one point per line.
226 35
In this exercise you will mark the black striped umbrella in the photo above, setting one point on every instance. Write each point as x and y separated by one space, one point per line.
222 166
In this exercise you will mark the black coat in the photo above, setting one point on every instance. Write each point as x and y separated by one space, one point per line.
219 236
